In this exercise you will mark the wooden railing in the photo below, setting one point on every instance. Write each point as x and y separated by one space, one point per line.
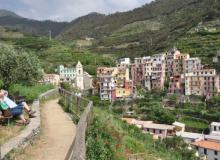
78 149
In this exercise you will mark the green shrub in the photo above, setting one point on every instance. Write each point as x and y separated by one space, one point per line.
117 110
29 92
18 66
97 102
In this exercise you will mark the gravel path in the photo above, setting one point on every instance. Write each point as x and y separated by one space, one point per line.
57 135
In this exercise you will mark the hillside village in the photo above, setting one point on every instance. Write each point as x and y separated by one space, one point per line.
186 76
137 84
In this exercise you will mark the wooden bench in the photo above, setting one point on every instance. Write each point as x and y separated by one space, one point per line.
5 116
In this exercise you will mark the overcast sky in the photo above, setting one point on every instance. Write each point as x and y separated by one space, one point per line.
67 10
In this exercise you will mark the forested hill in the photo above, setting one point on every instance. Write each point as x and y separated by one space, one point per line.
145 30
29 26
191 25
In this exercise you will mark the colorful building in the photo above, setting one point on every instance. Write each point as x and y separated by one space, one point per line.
210 150
158 73
53 79
191 64
204 82
66 74
177 85
114 83
124 62
158 130
170 56
178 67
137 73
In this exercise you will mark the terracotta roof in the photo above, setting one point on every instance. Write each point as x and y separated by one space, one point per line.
208 145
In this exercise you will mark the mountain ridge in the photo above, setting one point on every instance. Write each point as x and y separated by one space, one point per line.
13 21
4 13
149 29
152 28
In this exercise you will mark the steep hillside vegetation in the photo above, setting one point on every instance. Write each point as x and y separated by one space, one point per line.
202 41
52 53
191 25
33 27
152 28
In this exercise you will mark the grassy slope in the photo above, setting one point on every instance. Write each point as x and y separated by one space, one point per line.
113 135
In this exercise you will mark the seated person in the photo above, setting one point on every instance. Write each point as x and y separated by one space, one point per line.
15 113
17 107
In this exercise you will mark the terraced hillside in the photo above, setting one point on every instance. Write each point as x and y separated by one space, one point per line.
52 53
202 41
149 29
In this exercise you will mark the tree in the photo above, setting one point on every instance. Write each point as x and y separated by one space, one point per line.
18 66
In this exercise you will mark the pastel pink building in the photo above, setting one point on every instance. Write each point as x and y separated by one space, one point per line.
204 82
159 130
170 56
177 85
137 73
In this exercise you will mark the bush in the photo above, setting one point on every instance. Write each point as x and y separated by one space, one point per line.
117 110
18 66
29 92
67 86
98 142
97 102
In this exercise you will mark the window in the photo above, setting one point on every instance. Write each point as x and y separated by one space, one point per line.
216 152
215 128
216 159
205 151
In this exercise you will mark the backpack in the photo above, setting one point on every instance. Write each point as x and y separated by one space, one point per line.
6 112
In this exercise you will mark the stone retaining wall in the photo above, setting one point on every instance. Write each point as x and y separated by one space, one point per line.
78 150
29 133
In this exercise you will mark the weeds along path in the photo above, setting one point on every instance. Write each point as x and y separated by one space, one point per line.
58 132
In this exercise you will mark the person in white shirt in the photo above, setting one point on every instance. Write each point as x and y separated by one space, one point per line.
15 112
17 107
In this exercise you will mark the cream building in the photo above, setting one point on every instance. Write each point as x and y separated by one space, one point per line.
51 79
66 74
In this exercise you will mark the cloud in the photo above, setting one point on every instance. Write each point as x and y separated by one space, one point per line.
67 10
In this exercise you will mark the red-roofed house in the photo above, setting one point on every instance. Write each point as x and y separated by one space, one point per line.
208 149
